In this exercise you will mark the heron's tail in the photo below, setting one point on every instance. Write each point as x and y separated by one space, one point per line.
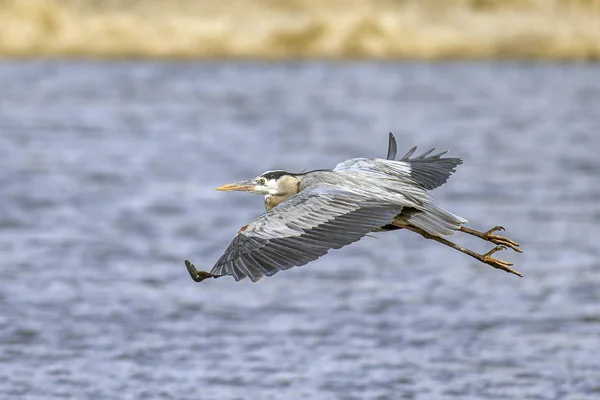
435 220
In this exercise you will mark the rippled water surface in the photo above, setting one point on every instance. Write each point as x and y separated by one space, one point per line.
107 173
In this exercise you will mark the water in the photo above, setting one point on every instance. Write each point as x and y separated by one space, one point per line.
107 173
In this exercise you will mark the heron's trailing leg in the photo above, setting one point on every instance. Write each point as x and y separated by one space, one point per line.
484 258
196 275
490 237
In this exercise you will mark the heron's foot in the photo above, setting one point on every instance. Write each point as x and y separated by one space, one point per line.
501 240
499 264
496 239
198 276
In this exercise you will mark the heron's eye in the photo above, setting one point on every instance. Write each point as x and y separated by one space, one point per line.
262 181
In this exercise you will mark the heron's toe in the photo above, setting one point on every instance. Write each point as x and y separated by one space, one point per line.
499 264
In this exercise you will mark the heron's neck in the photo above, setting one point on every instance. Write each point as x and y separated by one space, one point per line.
288 185
272 200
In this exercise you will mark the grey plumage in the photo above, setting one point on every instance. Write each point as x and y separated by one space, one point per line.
428 171
306 227
392 148
410 183
310 213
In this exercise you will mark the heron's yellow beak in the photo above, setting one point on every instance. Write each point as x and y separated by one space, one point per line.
246 186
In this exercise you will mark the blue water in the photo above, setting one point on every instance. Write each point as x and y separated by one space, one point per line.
107 173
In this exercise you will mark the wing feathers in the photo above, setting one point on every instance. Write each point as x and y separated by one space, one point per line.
410 153
428 171
392 147
300 230
433 172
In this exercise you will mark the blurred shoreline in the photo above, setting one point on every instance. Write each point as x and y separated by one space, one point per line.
272 29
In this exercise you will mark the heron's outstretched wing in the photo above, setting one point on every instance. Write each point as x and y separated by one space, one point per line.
428 171
300 230
431 171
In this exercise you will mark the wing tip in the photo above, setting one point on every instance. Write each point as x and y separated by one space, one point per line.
392 147
199 276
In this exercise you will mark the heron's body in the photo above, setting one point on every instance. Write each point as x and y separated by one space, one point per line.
312 212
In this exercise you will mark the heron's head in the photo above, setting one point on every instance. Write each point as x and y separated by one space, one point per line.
267 183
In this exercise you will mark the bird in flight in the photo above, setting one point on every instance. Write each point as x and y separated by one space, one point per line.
309 213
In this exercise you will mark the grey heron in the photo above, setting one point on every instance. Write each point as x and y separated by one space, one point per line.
310 213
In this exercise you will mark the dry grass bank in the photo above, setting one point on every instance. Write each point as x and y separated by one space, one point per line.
272 29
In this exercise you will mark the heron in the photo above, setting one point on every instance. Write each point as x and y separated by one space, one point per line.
309 213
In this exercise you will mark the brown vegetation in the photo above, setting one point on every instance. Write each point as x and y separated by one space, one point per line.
273 29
